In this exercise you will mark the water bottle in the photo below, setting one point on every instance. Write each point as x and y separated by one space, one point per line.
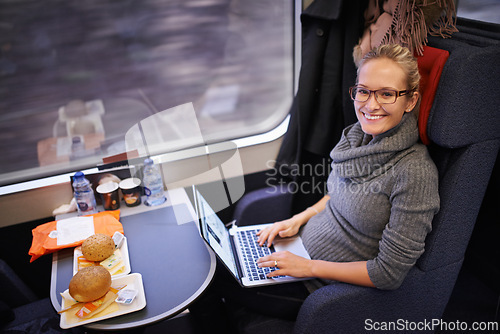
153 184
84 195
77 148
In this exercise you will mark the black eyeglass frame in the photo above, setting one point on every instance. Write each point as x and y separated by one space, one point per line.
398 94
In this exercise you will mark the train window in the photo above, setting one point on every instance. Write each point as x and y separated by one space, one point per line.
75 76
480 10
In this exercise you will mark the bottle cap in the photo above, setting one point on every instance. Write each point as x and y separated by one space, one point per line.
148 161
78 175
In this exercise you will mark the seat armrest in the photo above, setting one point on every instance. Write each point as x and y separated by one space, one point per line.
37 314
343 307
355 309
336 306
13 290
263 205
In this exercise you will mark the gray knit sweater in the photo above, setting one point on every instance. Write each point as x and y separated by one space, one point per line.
384 194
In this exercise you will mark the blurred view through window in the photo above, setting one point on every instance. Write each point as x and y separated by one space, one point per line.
75 76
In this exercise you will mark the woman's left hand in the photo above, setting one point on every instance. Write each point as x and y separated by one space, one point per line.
288 263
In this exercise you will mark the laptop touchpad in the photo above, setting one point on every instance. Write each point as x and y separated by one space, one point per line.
293 245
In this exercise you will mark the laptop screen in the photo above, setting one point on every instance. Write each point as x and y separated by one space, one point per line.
214 231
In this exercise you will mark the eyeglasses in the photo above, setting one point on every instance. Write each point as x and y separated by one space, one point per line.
383 96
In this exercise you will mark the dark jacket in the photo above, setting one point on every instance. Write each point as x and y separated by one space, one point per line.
322 107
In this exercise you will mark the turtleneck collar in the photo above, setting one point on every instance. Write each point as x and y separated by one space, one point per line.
361 157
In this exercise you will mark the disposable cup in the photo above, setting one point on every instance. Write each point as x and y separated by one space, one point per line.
109 195
131 190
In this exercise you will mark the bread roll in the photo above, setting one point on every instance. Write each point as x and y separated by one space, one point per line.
98 247
90 283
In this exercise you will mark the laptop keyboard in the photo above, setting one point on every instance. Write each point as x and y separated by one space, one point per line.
251 252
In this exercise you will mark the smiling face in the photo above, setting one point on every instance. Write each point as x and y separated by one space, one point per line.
382 73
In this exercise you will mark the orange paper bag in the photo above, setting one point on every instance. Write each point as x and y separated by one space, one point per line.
106 222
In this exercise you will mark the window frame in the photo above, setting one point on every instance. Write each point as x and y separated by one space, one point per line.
15 182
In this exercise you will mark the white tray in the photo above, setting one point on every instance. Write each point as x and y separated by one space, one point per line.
125 257
69 321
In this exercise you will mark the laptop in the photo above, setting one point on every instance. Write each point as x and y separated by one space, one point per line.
237 247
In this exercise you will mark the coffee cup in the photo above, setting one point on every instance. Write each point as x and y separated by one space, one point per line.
131 190
109 195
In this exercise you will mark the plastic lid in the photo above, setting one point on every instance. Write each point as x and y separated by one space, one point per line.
107 187
130 183
78 175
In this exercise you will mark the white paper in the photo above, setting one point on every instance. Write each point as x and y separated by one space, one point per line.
74 229
221 100
63 146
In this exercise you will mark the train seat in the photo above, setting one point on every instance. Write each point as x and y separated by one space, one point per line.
463 132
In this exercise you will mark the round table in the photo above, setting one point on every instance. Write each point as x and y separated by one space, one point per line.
175 264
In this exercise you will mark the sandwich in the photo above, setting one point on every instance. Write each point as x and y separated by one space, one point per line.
99 249
91 289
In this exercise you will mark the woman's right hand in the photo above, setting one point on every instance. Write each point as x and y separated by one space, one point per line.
291 226
283 229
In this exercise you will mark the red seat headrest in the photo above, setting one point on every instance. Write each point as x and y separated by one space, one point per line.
430 66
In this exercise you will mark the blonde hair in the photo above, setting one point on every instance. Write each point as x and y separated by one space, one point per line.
401 56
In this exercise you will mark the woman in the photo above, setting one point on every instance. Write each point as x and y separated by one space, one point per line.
371 227
382 194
